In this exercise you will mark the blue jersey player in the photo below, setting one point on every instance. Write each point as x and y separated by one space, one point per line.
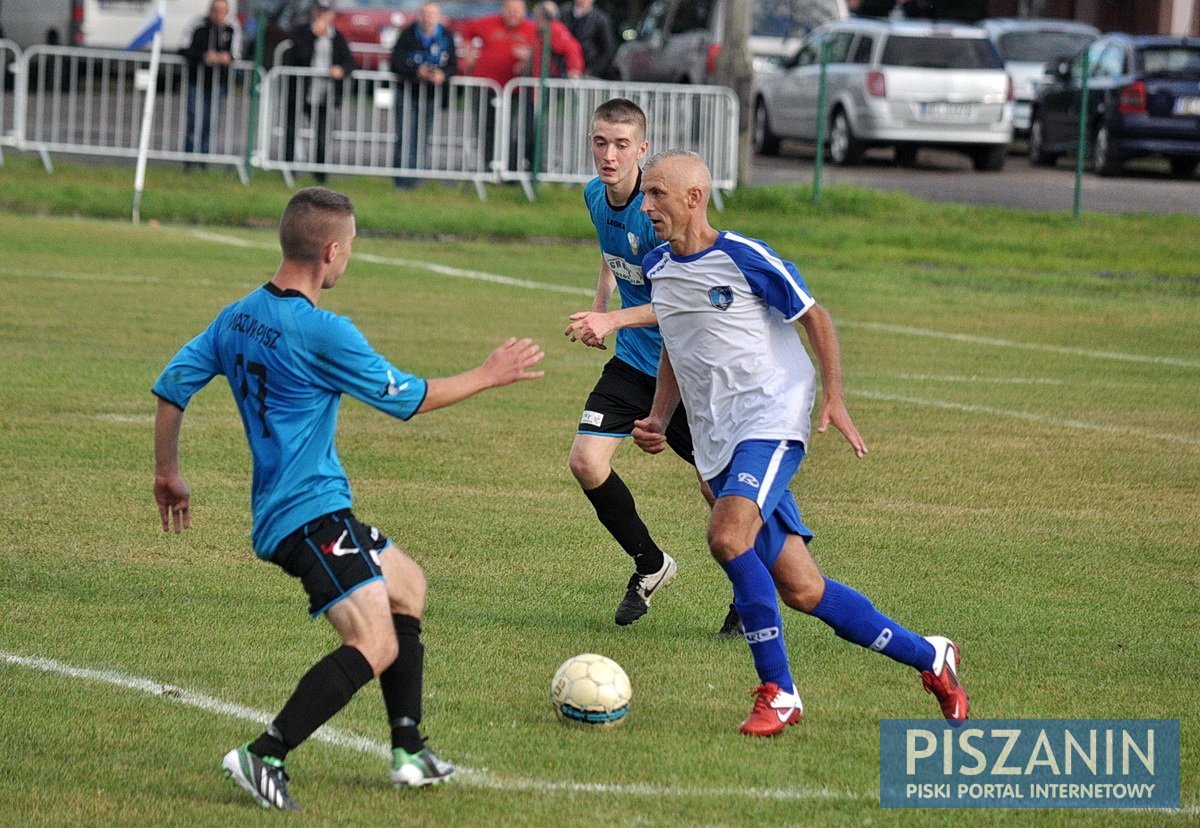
625 389
727 305
288 362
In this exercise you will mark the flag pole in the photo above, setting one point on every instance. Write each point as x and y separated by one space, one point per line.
139 179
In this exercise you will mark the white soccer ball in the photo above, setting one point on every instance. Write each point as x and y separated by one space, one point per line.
591 690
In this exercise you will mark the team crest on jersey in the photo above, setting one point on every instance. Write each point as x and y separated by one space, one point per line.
633 242
720 297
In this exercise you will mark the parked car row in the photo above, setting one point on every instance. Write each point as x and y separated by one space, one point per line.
912 84
903 84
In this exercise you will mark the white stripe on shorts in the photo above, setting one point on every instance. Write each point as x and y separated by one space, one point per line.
772 470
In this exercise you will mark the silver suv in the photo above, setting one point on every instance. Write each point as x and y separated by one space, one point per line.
903 84
678 41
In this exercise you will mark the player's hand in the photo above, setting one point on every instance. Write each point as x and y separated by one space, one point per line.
174 502
649 435
590 328
511 362
834 413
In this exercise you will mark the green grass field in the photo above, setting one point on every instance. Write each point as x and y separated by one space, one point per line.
1033 490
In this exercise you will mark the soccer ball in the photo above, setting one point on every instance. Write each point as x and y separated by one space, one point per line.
591 690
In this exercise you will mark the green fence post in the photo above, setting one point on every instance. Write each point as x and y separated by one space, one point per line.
539 127
252 117
819 162
1081 147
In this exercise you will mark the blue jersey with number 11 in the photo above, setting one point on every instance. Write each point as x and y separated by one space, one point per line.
288 362
626 235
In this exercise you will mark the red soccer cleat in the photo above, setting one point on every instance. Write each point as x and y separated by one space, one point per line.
773 711
942 680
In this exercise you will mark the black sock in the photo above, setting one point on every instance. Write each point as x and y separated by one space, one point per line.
322 692
401 685
615 507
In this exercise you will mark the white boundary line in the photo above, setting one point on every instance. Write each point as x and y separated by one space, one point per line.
478 778
874 326
1041 419
482 276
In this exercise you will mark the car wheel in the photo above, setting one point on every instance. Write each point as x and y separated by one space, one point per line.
1103 161
844 148
766 142
1182 166
906 155
1038 154
989 159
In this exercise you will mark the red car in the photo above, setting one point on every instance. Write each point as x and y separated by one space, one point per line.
372 26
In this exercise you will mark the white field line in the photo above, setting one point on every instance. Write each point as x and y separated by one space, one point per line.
482 276
478 778
875 326
432 267
1027 346
1028 416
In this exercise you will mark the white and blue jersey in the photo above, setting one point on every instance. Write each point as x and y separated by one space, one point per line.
726 314
288 362
626 236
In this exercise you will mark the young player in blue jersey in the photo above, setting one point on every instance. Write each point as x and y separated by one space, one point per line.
288 363
726 306
625 389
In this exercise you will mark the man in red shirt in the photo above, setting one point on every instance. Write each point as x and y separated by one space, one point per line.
507 45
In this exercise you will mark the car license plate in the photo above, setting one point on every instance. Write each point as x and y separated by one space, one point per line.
946 111
1187 106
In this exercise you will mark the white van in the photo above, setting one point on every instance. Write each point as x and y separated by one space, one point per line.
105 24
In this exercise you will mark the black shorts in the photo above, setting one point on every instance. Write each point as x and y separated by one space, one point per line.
332 556
624 394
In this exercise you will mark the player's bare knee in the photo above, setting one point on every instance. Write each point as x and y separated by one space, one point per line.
587 471
725 544
384 653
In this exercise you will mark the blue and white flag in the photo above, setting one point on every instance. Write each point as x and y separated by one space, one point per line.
153 27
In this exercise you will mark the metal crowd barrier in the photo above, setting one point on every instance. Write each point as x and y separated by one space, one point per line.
699 118
309 126
10 55
90 102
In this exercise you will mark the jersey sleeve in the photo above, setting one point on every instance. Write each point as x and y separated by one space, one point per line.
192 368
344 360
772 279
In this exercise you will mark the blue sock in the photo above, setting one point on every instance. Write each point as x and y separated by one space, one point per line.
854 618
754 599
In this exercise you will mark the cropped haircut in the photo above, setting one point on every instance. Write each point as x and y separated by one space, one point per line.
622 111
313 218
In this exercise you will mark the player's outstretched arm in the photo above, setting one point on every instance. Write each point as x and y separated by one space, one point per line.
170 491
822 336
650 434
509 363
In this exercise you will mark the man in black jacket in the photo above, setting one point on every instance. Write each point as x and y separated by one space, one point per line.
424 60
212 45
593 29
316 45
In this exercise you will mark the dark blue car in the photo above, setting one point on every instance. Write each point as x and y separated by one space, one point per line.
1143 101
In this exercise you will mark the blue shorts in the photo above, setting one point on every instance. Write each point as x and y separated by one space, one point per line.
761 471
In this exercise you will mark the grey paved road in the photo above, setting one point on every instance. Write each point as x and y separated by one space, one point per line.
947 177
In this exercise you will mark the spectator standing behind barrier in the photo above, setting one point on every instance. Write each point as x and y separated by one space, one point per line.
316 45
594 31
501 48
424 60
210 47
